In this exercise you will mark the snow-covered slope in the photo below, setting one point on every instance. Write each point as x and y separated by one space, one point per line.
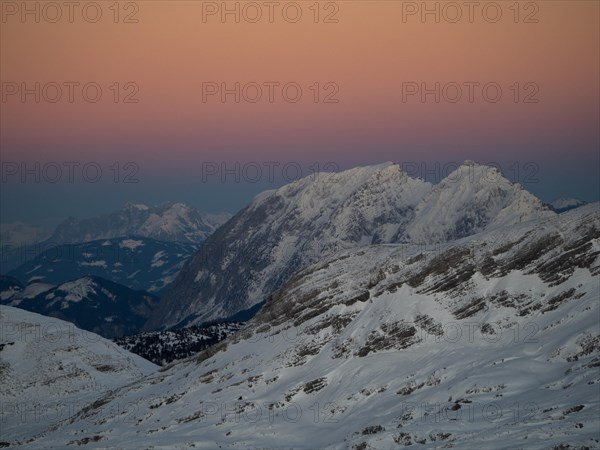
91 303
136 262
316 217
50 370
491 341
174 222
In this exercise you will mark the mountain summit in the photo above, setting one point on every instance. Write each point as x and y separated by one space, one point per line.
471 199
284 230
173 222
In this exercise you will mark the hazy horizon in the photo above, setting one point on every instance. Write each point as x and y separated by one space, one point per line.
353 83
220 192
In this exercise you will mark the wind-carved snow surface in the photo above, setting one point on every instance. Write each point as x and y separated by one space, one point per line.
318 216
50 370
491 341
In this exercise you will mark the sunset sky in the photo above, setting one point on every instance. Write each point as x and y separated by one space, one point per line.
546 52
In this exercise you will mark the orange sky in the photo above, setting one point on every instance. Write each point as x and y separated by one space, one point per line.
369 53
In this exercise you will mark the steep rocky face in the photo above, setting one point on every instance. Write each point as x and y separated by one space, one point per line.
490 341
316 217
540 254
281 231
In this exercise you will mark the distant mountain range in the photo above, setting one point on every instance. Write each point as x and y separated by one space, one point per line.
168 222
136 262
102 273
91 303
171 222
145 248
19 232
314 218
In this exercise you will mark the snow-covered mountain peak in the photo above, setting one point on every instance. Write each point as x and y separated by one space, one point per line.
314 190
336 186
470 199
180 207
472 173
283 230
172 222
322 214
336 181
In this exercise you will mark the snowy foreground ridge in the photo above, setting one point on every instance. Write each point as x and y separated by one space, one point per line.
50 370
487 342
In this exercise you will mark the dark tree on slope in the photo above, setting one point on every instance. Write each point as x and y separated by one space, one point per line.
163 347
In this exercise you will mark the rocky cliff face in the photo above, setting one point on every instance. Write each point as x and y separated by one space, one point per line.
285 230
